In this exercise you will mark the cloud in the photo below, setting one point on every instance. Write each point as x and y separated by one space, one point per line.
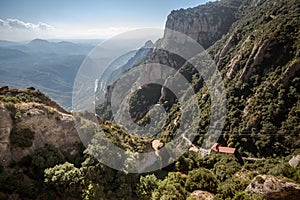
44 26
18 24
16 30
2 22
15 23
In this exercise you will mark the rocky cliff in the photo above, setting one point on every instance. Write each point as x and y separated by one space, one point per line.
205 23
274 188
29 121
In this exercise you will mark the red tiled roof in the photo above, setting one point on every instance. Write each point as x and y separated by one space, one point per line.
218 148
226 150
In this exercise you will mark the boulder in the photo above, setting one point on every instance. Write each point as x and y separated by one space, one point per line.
201 195
272 187
294 162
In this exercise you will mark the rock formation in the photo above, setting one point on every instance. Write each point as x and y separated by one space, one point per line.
205 24
201 195
274 188
27 126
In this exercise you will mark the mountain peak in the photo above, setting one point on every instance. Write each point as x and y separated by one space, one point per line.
39 41
149 44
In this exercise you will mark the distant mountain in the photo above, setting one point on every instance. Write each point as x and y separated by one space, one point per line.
39 42
48 66
6 53
44 47
40 45
5 43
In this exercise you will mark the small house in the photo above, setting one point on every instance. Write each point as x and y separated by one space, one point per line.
219 149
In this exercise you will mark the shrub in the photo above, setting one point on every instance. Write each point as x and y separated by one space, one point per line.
46 157
171 188
9 106
201 179
226 167
231 187
147 185
22 138
244 196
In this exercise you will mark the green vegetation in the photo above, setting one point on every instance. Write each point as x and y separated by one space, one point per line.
18 97
263 102
201 179
26 177
22 138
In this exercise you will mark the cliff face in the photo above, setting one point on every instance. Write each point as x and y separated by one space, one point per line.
206 23
30 125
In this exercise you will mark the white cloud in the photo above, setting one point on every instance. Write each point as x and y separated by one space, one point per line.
2 22
18 24
15 23
15 29
44 26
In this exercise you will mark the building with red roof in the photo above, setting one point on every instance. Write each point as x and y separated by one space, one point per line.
219 149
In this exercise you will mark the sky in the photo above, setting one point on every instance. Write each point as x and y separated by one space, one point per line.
22 20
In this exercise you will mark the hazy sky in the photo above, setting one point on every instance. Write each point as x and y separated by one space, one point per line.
29 19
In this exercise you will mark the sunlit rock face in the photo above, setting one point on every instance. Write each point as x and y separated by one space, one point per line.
205 24
274 188
27 126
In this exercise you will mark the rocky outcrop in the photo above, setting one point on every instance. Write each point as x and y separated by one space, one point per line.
205 24
5 129
234 63
256 57
230 42
27 126
289 74
157 144
30 95
294 162
274 188
201 195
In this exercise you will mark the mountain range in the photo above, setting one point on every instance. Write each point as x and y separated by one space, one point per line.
47 66
255 46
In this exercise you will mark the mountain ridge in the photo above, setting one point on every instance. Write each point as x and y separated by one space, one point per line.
258 59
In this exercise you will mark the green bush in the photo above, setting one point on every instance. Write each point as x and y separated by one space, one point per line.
46 157
201 179
22 138
9 106
284 169
245 196
63 177
226 167
147 185
231 187
171 188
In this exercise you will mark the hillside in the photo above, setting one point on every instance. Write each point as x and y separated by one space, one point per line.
255 45
39 143
259 63
256 49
